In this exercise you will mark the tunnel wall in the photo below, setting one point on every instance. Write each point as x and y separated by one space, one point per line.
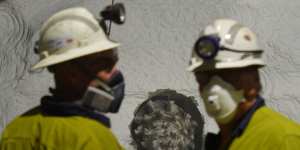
156 44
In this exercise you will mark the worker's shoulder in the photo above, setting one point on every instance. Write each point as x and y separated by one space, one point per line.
34 123
21 125
271 121
267 129
74 131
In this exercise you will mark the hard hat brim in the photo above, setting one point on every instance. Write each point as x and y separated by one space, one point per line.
226 65
76 53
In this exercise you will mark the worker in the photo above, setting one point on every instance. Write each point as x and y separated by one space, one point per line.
225 61
76 50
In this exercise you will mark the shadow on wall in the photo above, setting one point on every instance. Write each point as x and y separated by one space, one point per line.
167 120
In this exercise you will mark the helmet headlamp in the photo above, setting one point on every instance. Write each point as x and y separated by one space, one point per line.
207 47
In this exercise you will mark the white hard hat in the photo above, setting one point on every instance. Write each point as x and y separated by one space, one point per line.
70 34
236 46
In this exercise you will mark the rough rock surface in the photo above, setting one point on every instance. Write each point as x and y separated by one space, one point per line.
167 120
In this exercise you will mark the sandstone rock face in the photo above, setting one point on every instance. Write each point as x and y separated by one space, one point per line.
156 44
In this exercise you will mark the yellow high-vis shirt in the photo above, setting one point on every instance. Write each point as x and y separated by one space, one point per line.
268 130
34 130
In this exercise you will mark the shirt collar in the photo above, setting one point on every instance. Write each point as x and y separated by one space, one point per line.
212 140
51 106
238 131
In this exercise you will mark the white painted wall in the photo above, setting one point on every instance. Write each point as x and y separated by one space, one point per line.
157 40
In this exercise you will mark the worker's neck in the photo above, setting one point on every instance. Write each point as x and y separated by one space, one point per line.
226 129
65 95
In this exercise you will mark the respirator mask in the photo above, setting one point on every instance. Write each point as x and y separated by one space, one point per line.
221 99
105 96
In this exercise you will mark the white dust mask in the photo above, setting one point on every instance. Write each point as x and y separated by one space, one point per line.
221 99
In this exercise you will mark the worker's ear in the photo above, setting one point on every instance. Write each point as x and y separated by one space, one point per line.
251 93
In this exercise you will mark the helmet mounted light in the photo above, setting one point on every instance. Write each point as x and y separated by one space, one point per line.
207 47
115 13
